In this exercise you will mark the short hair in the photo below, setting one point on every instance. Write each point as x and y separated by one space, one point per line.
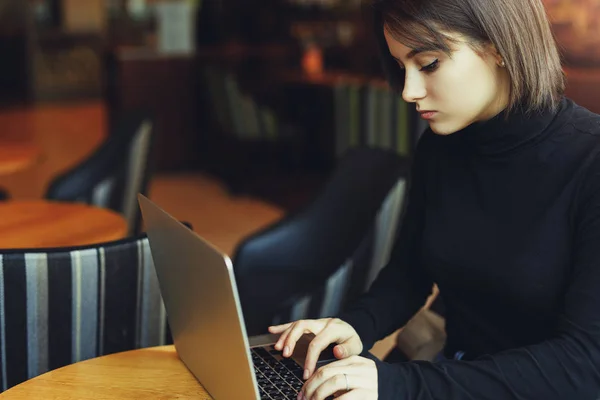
519 29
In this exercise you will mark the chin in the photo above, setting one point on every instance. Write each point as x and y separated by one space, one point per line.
442 129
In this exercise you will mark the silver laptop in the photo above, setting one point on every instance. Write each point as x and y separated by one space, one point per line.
203 309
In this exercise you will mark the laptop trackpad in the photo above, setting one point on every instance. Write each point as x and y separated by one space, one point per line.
301 349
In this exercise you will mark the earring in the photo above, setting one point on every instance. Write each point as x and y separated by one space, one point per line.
502 64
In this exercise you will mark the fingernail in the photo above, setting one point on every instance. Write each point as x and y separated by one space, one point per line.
306 374
286 351
300 396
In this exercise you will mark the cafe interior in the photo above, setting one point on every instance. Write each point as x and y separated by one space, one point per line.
266 127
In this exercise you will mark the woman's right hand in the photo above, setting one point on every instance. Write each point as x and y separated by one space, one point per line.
326 331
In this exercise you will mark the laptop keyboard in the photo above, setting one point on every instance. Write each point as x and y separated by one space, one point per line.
278 378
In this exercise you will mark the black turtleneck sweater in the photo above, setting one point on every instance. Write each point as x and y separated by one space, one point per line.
505 217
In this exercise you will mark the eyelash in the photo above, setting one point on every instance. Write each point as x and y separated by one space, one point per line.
431 67
428 68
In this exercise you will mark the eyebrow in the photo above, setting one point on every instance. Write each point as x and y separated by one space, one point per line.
412 53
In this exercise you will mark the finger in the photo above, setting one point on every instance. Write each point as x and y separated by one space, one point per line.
337 383
280 328
351 346
275 329
339 352
282 338
331 371
295 333
329 334
324 386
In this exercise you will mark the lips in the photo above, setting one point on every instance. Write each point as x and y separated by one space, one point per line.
427 114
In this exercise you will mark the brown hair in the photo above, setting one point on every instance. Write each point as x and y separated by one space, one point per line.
519 29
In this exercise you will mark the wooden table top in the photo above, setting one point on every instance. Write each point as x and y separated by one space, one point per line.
153 373
43 223
15 157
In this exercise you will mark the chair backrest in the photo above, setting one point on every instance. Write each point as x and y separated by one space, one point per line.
308 253
356 275
60 306
113 175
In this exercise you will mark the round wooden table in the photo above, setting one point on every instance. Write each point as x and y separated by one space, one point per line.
153 373
44 223
15 157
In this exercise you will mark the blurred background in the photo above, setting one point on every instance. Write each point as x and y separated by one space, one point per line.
236 116
256 100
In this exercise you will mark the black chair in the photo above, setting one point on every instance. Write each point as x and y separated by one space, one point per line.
113 175
302 262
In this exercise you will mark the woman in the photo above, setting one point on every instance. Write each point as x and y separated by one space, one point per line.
503 214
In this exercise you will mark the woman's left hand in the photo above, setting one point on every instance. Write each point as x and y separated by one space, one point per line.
351 378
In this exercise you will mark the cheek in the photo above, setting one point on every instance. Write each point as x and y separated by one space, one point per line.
466 87
461 92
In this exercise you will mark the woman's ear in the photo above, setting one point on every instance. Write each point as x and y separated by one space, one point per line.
493 51
490 54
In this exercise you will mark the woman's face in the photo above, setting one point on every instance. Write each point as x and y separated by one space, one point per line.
459 90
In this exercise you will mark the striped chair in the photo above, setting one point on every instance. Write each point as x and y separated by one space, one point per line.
61 306
115 173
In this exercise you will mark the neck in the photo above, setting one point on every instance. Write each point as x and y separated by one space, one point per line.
500 102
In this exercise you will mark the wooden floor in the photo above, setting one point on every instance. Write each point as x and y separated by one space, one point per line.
67 134
203 202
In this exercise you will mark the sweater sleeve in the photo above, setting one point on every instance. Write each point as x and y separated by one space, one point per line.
402 287
566 366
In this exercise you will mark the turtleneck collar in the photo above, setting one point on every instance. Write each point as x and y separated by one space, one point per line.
500 134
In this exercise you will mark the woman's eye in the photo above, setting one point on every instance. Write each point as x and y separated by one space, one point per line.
431 67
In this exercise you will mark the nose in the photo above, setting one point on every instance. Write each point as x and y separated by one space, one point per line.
414 87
